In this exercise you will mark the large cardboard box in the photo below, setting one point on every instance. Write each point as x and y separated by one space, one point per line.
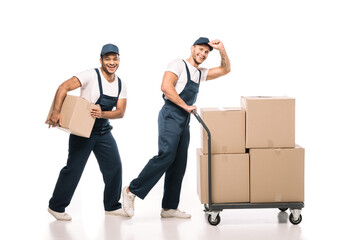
270 122
227 128
277 175
230 177
76 118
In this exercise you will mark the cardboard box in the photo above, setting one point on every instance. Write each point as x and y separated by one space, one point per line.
270 122
277 175
230 177
76 118
227 128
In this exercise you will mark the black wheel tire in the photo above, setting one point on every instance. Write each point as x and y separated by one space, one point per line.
206 207
216 222
291 218
283 209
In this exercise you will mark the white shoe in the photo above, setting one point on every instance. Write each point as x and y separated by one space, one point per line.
174 213
117 212
128 202
60 216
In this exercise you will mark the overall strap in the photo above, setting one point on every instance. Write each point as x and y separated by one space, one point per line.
199 77
99 81
188 73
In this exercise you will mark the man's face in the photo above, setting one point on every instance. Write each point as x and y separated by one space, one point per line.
110 62
199 53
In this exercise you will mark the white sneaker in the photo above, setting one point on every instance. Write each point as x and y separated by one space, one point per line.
171 213
60 216
128 202
117 212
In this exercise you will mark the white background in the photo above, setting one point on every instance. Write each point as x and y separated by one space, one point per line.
306 49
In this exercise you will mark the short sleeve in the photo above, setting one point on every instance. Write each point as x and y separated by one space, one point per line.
176 67
123 92
84 77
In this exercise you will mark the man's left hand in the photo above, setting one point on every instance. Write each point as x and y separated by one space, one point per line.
216 44
96 112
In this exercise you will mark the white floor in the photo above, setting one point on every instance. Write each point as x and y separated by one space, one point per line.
89 222
235 224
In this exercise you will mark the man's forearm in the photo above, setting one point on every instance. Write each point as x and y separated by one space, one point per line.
225 61
64 88
59 98
118 113
174 97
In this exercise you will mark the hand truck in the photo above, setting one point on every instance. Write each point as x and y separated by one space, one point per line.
214 209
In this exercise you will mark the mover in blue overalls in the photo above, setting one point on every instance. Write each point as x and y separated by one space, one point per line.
104 88
180 86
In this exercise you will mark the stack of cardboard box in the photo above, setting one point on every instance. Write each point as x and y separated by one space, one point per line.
254 156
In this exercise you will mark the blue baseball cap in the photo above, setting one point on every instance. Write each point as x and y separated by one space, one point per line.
203 40
109 48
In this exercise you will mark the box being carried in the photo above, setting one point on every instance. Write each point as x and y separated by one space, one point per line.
76 118
229 177
270 122
227 127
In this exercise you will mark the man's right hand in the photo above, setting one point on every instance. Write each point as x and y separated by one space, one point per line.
190 109
54 119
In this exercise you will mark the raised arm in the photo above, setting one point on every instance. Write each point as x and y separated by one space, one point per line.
224 67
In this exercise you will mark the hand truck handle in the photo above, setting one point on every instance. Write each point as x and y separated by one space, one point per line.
197 116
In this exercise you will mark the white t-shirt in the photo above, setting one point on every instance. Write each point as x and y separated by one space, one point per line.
177 66
90 86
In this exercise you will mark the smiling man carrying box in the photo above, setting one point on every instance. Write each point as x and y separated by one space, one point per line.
102 87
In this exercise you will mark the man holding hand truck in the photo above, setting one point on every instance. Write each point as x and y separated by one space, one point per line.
180 86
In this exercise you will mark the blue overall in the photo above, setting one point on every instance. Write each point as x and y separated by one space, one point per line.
174 136
104 146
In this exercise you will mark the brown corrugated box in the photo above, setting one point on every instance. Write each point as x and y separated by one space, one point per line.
270 122
230 177
277 175
227 127
76 118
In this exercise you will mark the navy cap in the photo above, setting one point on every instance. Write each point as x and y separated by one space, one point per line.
203 40
109 48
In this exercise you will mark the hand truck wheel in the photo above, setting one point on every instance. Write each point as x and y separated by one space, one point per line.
214 222
293 221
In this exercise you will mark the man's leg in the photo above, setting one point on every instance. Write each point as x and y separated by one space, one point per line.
156 166
175 174
107 155
169 136
79 151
